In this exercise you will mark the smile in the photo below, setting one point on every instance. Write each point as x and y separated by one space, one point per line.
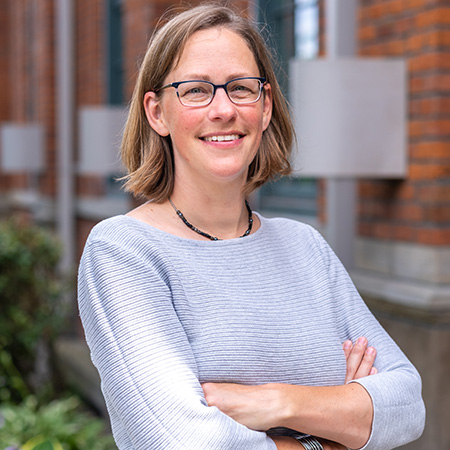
231 137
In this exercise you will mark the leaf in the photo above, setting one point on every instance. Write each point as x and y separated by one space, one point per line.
41 443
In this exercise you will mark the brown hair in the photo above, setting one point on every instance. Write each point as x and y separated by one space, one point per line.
148 156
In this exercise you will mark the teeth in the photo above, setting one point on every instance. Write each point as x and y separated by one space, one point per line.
231 137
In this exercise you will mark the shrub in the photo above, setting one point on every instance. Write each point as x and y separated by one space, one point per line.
58 425
30 309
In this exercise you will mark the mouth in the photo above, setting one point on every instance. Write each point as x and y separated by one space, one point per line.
222 138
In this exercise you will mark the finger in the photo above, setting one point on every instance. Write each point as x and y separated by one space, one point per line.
347 347
355 358
373 371
330 445
367 363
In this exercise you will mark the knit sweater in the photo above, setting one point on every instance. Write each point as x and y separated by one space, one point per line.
163 314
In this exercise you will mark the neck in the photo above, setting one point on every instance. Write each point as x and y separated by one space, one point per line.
221 215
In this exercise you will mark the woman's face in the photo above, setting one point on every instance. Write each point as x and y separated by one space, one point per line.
217 55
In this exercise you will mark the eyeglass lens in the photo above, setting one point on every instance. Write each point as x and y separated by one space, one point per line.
196 93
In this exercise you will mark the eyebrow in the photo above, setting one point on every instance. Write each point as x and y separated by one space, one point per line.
197 76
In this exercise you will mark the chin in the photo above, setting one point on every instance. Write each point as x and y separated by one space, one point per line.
231 172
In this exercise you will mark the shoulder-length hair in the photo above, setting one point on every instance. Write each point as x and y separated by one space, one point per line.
149 156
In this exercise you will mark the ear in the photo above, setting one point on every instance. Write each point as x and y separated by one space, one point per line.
267 105
154 114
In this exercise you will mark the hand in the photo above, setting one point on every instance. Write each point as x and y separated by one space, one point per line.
360 359
252 406
259 407
330 445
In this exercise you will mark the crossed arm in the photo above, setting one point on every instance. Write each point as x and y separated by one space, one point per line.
335 413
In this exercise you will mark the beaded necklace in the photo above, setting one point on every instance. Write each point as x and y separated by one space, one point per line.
206 235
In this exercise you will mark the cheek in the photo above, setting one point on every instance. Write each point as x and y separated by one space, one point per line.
181 124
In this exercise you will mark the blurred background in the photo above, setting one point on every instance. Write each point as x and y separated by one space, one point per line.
369 86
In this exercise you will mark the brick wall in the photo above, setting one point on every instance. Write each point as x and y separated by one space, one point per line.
4 56
26 77
90 52
90 32
140 19
416 209
4 76
44 89
16 55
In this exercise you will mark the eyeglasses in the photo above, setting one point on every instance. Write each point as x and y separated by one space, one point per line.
241 91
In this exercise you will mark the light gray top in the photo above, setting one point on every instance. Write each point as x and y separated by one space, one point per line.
163 314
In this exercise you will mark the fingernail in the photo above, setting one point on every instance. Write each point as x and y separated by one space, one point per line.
361 341
370 351
347 345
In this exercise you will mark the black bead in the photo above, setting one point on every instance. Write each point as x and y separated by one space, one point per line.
213 238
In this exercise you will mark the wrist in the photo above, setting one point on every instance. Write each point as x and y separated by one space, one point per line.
287 405
308 442
280 404
287 443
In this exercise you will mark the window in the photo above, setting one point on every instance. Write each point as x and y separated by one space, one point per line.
114 69
294 25
306 29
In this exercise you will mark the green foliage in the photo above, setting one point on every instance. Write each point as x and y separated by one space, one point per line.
30 308
59 425
31 315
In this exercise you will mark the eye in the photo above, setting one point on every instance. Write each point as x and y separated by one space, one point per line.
246 90
194 89
243 88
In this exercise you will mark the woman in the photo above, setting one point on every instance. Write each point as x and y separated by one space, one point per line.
211 326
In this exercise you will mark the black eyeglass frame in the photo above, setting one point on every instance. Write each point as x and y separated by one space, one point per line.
175 85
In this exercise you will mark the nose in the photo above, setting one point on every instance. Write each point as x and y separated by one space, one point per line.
221 107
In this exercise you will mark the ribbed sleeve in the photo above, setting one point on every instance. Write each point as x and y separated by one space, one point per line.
399 411
163 314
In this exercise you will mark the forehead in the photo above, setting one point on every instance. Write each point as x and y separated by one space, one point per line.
215 50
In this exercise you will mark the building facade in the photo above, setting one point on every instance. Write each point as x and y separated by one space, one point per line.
67 70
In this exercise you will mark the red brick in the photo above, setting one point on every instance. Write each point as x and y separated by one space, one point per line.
367 33
405 24
375 11
90 52
430 150
429 61
429 128
408 213
395 47
437 127
429 171
431 83
405 191
371 210
383 230
4 56
395 7
364 229
433 236
373 189
414 43
415 128
404 232
437 38
90 186
434 194
429 106
438 214
409 5
417 84
433 17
